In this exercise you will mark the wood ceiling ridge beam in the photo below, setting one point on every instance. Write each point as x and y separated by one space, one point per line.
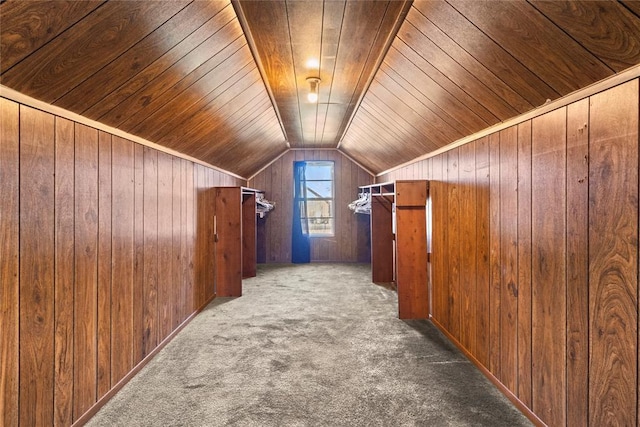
13 95
592 89
256 57
383 53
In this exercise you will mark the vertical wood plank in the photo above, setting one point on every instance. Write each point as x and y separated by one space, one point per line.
482 251
549 266
86 269
509 257
64 271
277 216
494 256
613 256
123 262
37 254
190 239
439 196
184 243
524 263
577 263
176 253
150 213
249 236
165 240
468 274
228 253
138 247
286 205
9 267
104 263
453 243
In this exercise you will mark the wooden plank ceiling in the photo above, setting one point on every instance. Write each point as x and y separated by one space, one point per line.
182 74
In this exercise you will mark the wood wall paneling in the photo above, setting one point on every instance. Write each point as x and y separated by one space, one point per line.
509 257
228 205
9 264
165 246
453 243
548 185
495 271
104 254
524 264
124 257
482 237
613 256
176 243
138 247
577 262
249 235
150 251
86 269
64 271
468 250
37 254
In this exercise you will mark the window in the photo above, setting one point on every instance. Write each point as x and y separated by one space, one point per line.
318 198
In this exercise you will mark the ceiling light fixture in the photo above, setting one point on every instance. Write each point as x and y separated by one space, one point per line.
313 89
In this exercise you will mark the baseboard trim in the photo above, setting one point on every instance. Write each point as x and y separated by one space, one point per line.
504 390
116 388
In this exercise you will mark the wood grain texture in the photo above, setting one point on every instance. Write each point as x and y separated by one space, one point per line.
9 264
453 244
495 266
615 25
27 26
150 256
509 257
483 184
578 262
381 240
86 270
123 262
524 264
439 197
176 252
249 235
613 256
468 248
138 248
165 246
64 271
548 221
37 254
78 53
105 198
228 206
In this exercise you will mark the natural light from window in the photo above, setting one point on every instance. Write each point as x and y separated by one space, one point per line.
318 195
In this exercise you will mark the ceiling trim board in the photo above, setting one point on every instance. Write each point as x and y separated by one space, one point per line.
23 99
602 85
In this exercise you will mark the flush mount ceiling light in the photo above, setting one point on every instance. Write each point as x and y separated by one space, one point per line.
313 89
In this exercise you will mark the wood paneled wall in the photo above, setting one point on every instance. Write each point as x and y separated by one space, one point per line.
103 258
351 240
535 257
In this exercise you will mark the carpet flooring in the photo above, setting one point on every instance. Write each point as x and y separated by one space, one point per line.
309 345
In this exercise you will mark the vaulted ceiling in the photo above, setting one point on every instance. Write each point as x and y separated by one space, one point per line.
226 83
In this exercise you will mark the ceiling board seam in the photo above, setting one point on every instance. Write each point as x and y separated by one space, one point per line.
164 70
502 48
629 9
161 106
13 95
478 105
124 52
60 34
481 64
254 52
383 53
602 85
552 22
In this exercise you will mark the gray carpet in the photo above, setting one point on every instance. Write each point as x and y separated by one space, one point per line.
309 345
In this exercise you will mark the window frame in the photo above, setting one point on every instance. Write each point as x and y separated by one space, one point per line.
332 218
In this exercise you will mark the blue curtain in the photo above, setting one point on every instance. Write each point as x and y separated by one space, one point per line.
300 244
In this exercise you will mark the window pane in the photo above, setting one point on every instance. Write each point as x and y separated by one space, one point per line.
319 189
319 209
319 170
321 226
